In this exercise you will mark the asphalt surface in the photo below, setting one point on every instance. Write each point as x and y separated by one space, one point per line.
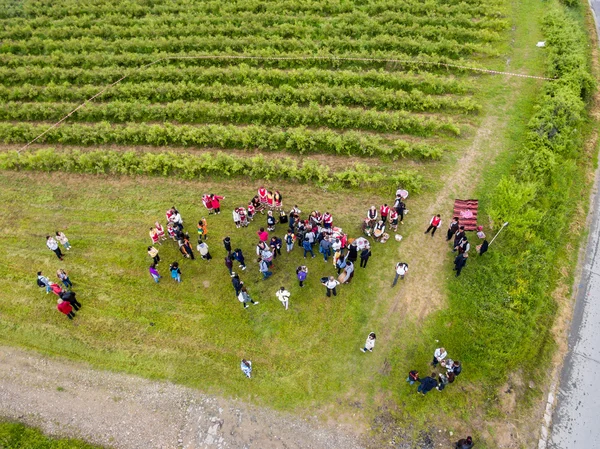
576 419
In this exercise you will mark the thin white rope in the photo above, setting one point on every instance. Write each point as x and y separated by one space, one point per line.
281 58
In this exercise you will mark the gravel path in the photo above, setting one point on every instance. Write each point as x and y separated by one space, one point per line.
129 412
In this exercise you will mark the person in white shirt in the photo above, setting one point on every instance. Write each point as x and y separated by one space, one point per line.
53 246
401 270
439 355
284 296
331 284
370 343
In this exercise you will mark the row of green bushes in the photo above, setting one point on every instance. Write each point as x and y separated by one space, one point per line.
294 140
160 92
413 45
241 74
200 112
502 306
198 166
135 9
310 29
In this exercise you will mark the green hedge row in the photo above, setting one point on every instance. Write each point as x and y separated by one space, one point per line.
198 166
252 137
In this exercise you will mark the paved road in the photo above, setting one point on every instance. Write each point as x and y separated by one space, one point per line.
577 416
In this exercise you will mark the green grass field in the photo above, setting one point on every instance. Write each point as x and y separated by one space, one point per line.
330 134
18 436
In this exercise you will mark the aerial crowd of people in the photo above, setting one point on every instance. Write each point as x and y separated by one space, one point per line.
314 231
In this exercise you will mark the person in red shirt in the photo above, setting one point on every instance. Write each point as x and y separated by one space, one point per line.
263 235
216 203
207 201
55 288
384 212
65 307
262 195
327 220
434 224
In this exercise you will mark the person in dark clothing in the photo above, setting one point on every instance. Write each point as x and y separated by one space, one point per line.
364 257
400 206
188 248
239 256
237 284
70 298
227 244
483 247
229 263
352 253
275 245
459 263
458 237
427 384
452 229
464 443
456 368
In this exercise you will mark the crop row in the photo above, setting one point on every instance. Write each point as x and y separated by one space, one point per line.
369 97
339 45
269 114
133 9
257 58
294 140
354 30
237 75
26 28
217 164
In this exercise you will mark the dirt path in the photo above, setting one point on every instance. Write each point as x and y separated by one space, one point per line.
122 411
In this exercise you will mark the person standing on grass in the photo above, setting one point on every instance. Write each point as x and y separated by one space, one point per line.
43 281
442 381
284 296
464 443
325 248
327 220
384 211
400 208
171 231
263 235
434 224
401 270
175 271
71 298
393 220
364 256
64 278
301 274
452 229
247 368
348 272
229 263
207 203
427 384
458 237
63 240
154 273
289 241
244 297
263 267
340 264
216 203
331 285
160 231
236 218
203 250
154 236
307 248
372 216
176 218
456 368
55 288
438 355
459 263
227 244
275 245
270 221
53 246
203 229
188 247
237 284
370 343
153 252
239 256
65 307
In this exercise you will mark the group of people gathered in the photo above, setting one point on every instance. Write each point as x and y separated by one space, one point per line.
67 302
